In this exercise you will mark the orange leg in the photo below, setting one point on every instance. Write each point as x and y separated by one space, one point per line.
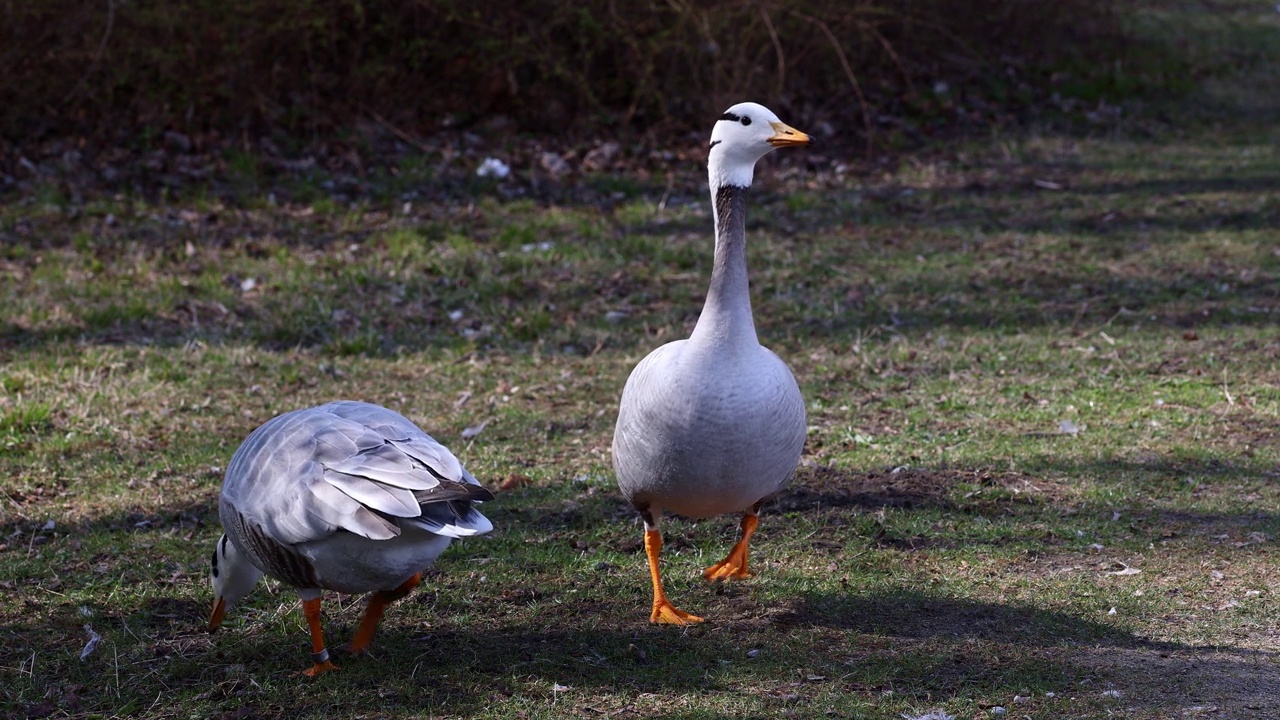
378 604
319 655
663 611
735 564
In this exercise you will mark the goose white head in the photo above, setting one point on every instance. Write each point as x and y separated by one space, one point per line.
745 133
232 575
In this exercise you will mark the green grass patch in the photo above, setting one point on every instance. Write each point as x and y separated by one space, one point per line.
26 418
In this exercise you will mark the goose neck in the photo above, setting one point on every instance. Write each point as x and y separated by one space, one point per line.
726 315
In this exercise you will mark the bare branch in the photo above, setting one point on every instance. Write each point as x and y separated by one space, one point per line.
97 56
848 71
777 48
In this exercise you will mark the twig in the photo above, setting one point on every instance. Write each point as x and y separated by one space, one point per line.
777 48
102 48
666 194
893 54
848 71
18 505
1084 307
397 131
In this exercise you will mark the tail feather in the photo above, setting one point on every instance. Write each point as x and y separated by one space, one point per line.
456 519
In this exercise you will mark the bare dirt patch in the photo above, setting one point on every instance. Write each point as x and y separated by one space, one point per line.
1222 683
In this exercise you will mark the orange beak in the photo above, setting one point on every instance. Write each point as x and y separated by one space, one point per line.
786 136
219 609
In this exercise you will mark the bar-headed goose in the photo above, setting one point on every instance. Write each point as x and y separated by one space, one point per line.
347 496
714 424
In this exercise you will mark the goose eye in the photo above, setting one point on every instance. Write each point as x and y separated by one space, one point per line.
746 120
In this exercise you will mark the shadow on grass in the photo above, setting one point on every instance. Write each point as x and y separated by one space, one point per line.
580 515
919 615
360 311
1049 487
914 643
1038 295
178 519
1154 188
1033 293
459 649
969 644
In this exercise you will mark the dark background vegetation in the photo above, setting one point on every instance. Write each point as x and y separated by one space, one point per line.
303 72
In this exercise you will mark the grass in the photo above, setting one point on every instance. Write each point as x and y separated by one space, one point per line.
1041 475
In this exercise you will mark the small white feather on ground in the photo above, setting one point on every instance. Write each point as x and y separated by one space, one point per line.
931 715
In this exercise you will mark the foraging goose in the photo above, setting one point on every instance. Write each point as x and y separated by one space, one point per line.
714 424
347 496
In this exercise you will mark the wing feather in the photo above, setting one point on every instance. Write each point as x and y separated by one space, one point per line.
387 464
351 466
435 457
374 494
339 510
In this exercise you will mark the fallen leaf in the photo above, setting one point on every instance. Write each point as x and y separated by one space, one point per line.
600 156
513 481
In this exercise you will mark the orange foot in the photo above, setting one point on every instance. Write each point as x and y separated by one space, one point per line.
320 667
733 567
664 613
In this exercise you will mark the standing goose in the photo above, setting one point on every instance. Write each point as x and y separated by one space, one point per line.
714 424
347 496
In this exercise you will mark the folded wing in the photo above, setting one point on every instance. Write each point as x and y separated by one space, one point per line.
351 466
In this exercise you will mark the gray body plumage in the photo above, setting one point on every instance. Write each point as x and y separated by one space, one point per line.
701 435
346 496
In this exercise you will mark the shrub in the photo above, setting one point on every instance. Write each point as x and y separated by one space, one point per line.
311 67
